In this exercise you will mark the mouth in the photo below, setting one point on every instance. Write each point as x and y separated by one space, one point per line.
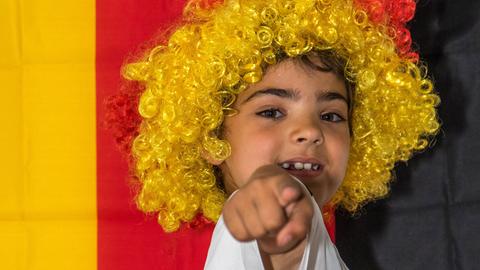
302 169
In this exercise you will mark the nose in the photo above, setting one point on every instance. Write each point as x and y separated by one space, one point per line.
307 131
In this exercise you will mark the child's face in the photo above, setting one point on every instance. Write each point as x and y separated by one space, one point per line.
294 117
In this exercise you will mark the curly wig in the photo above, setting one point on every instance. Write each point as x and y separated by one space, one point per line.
189 82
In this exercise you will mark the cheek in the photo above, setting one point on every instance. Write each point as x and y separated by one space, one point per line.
340 151
250 149
347 144
256 141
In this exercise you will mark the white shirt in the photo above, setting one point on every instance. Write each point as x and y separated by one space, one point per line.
225 252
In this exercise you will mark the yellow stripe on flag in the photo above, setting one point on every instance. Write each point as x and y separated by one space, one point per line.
47 101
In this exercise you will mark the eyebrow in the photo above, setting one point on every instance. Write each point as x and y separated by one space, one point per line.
332 95
283 93
328 95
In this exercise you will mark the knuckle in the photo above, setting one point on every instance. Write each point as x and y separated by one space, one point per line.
274 223
256 184
258 231
240 235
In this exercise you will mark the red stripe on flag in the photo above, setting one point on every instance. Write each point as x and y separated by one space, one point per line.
126 238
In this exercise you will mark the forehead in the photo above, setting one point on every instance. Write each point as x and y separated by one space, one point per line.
296 75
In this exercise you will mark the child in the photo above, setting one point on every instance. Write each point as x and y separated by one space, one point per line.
294 122
276 100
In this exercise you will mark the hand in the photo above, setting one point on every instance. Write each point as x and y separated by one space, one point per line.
272 208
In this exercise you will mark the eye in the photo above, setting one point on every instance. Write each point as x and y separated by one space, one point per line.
273 113
332 117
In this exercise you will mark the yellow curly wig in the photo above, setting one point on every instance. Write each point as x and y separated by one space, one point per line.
192 80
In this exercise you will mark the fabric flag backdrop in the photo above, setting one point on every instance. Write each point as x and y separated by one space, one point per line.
65 201
48 192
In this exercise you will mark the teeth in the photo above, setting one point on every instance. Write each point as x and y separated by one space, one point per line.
300 166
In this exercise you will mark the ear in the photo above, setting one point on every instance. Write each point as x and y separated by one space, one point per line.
208 157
